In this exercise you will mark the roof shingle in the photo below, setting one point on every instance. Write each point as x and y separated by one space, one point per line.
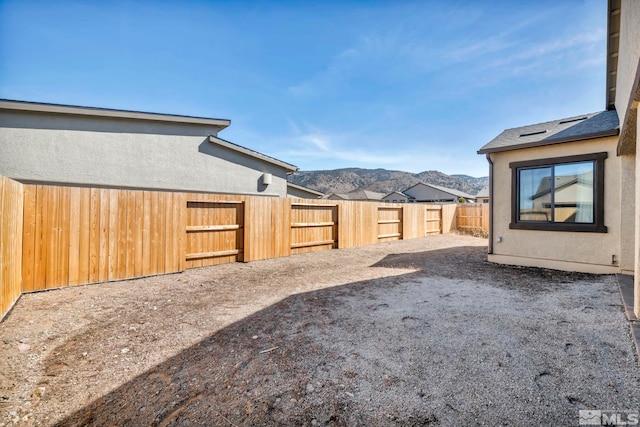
577 128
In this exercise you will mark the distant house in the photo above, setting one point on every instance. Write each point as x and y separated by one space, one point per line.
427 193
357 195
63 144
298 191
483 195
397 197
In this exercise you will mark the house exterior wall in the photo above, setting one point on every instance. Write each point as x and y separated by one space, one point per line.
56 148
300 194
627 213
423 193
628 54
395 198
636 216
573 251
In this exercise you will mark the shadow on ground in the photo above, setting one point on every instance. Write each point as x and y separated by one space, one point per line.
271 368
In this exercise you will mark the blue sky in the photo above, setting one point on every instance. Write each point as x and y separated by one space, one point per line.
400 85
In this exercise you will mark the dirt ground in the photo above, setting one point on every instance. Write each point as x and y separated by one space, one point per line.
399 333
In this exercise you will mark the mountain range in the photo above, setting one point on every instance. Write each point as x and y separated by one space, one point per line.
382 180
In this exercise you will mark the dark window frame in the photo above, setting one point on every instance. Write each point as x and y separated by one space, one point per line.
598 221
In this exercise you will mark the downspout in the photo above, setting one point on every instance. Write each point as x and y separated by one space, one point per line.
490 250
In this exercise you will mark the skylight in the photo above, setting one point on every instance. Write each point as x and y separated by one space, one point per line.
533 133
572 120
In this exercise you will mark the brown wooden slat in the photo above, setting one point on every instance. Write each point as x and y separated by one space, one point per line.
62 276
316 243
94 235
215 201
28 237
313 224
385 236
113 232
192 228
213 254
52 235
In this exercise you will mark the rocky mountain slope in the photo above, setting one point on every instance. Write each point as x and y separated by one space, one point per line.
382 180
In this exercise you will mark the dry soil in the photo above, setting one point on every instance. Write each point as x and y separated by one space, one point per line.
416 332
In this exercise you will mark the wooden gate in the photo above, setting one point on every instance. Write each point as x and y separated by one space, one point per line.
314 227
389 223
215 232
433 219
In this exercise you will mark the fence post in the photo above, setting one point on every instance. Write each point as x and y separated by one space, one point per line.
11 228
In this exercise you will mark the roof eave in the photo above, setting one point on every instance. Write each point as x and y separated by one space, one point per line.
235 147
308 190
613 43
39 107
543 142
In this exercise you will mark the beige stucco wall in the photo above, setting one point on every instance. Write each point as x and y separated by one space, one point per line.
628 54
627 213
578 251
636 216
59 148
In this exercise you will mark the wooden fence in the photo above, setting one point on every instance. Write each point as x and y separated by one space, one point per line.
11 202
57 236
473 218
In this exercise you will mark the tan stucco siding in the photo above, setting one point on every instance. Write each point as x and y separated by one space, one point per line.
627 212
554 248
127 153
628 54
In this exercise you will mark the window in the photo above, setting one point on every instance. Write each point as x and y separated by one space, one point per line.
561 194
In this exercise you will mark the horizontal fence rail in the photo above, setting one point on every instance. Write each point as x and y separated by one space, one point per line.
57 236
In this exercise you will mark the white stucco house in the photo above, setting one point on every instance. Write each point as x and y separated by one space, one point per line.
63 144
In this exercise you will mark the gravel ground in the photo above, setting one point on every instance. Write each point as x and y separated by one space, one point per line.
417 332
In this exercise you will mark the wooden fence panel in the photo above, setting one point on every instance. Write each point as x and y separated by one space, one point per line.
28 236
390 222
413 220
449 218
485 217
433 219
314 227
11 226
85 235
267 230
473 217
214 230
357 224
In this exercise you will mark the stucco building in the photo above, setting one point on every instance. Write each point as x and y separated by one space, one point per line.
301 192
60 144
565 194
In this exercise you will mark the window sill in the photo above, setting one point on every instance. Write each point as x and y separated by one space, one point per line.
583 228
